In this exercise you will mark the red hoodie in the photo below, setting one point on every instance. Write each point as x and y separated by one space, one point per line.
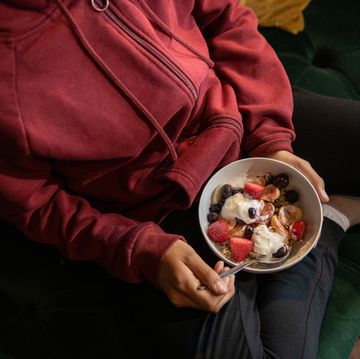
109 120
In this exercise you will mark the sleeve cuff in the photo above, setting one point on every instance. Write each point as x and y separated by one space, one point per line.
149 251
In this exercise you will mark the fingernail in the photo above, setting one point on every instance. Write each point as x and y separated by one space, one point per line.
326 197
221 287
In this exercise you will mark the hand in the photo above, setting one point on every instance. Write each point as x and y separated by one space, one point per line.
304 167
182 270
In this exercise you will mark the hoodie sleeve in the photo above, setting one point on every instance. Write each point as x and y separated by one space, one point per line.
34 199
245 61
35 202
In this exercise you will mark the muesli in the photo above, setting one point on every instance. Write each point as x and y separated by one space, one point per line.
255 216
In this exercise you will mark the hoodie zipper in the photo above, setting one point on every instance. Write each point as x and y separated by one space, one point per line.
152 50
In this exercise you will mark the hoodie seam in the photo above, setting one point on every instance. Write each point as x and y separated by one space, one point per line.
156 63
48 15
160 48
154 228
184 174
267 143
132 251
155 18
230 122
17 101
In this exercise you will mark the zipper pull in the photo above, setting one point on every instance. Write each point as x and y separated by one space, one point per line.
94 4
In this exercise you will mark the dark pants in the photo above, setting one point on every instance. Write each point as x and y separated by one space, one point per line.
277 315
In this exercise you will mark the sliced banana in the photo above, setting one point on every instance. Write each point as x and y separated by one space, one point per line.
289 214
261 180
216 195
278 227
266 212
271 193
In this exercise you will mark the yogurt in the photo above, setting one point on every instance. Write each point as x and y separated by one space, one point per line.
266 241
237 206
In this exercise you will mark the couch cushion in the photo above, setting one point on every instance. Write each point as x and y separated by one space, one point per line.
325 57
342 320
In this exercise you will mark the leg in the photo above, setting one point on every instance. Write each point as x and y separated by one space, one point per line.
292 303
328 132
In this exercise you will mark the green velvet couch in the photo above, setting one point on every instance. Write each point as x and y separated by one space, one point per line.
54 308
325 58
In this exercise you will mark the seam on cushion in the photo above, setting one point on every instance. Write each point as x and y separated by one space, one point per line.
334 75
349 266
316 286
342 77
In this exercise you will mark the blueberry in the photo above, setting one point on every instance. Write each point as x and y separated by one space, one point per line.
212 217
249 230
280 252
291 196
252 212
281 180
226 191
215 208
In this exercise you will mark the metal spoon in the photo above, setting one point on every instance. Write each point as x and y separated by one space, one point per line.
234 270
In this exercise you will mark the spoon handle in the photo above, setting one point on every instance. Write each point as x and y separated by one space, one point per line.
238 268
231 271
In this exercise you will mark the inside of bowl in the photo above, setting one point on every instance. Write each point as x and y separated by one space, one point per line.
308 202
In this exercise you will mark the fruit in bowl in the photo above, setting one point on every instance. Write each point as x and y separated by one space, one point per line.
259 207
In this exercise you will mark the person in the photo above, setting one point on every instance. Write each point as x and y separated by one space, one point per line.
113 116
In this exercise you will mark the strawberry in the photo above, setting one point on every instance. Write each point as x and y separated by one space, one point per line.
253 190
240 248
218 231
297 230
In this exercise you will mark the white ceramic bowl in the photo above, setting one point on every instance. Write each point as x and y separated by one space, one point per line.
309 202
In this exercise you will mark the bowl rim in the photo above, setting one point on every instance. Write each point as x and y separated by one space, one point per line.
261 270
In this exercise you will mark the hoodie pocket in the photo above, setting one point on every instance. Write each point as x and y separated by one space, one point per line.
217 146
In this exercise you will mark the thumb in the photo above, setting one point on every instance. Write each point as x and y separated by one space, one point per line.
206 275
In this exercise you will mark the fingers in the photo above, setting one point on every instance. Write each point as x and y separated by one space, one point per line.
318 183
206 274
184 293
179 279
304 167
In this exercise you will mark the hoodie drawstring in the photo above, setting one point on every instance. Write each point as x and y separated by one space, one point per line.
105 68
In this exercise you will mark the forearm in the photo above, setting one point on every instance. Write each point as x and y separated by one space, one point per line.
37 204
